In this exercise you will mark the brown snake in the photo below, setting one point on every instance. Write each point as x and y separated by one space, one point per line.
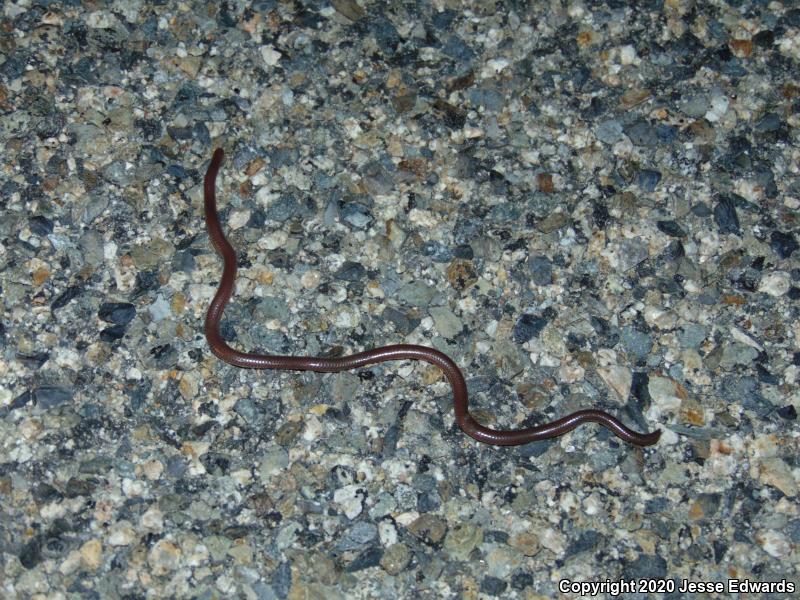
378 355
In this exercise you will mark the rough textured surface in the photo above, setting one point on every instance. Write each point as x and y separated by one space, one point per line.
585 203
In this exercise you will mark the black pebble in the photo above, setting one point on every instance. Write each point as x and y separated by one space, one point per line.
31 553
783 244
788 412
44 492
21 400
119 313
529 326
33 361
371 557
765 376
40 225
351 271
520 581
671 228
587 540
645 566
64 297
493 585
725 216
764 39
701 209
112 334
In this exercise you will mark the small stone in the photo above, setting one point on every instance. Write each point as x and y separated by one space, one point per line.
641 133
775 472
356 214
160 309
775 284
609 132
49 396
526 542
666 393
493 586
671 228
461 274
348 8
282 209
634 97
553 540
446 323
695 106
40 225
122 533
416 293
238 219
371 557
462 539
648 179
773 543
637 343
618 378
528 327
437 251
395 558
31 553
274 462
351 271
92 554
692 335
704 506
359 535
288 432
376 179
404 101
501 559
241 553
541 269
429 528
646 567
119 313
552 222
544 182
692 413
725 216
163 557
350 499
736 353
783 244
741 48
313 591
660 318
270 56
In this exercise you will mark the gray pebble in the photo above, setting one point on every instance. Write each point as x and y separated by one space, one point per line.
356 214
358 536
49 396
609 132
541 269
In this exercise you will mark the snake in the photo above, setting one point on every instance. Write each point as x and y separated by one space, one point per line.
394 352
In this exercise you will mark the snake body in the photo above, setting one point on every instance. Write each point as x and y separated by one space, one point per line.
463 418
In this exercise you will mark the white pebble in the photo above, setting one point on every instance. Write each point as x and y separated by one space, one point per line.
238 219
270 55
775 284
627 55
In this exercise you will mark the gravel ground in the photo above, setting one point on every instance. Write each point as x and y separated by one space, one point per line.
583 203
